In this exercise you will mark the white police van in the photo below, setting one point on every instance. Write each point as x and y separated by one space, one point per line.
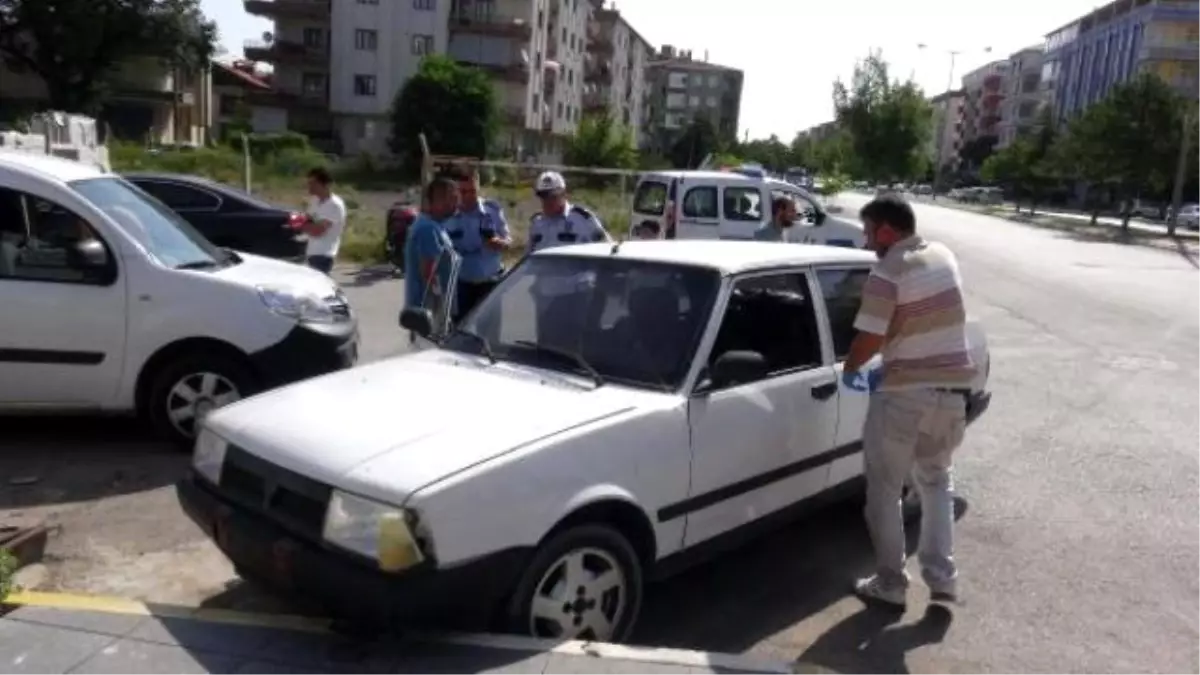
731 204
113 303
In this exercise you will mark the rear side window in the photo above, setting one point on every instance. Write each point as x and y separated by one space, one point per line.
743 203
700 202
179 196
651 198
843 291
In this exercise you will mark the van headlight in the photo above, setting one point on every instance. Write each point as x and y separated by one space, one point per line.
377 531
209 455
297 305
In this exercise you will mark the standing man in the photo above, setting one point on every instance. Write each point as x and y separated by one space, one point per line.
913 312
559 224
430 263
326 221
783 215
479 232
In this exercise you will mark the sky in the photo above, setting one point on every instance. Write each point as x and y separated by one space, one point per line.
792 51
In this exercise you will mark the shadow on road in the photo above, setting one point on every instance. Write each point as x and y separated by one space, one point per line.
369 275
52 460
870 642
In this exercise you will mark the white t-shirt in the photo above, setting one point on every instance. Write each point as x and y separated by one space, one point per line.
333 210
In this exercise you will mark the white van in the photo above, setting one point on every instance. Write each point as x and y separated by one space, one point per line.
731 205
113 303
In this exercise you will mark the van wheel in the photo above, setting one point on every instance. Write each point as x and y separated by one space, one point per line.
584 583
190 387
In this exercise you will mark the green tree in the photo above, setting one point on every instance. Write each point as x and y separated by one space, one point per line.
1027 167
833 154
75 46
453 105
769 152
697 142
888 121
602 142
800 151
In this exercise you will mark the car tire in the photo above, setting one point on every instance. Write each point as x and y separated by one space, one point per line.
596 575
211 380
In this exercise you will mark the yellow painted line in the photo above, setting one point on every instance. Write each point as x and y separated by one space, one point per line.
113 605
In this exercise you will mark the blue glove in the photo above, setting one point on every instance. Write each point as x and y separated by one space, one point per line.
874 377
853 380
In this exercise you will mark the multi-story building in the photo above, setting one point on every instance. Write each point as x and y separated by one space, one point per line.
1087 57
983 96
1024 97
946 134
616 56
232 84
684 89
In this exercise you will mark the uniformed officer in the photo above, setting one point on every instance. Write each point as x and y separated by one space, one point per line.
479 231
559 224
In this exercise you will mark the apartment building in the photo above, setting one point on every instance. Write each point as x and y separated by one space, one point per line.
616 60
1086 58
232 85
1024 97
983 97
946 138
684 89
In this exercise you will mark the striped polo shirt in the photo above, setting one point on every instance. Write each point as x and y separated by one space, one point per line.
914 299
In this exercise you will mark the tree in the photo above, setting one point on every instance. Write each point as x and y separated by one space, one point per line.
601 142
888 122
833 154
697 142
75 46
976 151
769 152
453 105
1028 166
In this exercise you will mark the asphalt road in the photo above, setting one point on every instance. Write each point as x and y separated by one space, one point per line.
1078 550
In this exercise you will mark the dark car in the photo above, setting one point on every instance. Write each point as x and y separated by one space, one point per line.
226 216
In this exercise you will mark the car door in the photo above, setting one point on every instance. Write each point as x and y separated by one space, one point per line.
760 446
62 323
198 206
841 294
699 214
744 208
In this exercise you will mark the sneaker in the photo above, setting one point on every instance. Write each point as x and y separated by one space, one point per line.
875 589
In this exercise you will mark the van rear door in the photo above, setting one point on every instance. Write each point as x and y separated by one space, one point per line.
655 206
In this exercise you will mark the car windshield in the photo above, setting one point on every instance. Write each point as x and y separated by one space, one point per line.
615 320
165 235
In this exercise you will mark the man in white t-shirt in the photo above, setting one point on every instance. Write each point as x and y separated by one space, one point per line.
326 221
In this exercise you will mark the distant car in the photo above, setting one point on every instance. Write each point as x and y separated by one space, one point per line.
1189 216
1147 210
226 216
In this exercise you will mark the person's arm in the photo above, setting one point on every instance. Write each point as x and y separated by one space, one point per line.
874 318
531 243
502 240
427 248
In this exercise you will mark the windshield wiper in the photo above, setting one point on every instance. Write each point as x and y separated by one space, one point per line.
567 355
198 265
484 345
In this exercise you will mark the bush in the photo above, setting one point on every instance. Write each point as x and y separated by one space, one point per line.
8 568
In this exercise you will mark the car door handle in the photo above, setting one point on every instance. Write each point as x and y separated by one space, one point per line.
823 392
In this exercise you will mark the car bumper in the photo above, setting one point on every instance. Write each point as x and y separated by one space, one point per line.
977 404
307 351
463 597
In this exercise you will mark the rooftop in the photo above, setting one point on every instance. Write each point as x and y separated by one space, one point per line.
726 256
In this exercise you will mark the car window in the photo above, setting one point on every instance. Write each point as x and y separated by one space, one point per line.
772 315
39 240
700 202
637 323
842 290
179 196
743 203
651 198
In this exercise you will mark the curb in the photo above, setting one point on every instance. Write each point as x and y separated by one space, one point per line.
599 650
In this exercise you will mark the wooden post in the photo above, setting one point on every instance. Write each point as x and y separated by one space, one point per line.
246 177
426 161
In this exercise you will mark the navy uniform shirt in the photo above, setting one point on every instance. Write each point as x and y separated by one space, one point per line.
469 229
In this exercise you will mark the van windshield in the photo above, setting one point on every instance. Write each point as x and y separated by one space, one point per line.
167 237
650 198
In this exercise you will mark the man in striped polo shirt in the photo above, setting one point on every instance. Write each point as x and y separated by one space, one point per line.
913 312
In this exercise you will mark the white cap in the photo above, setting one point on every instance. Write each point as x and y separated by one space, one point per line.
550 181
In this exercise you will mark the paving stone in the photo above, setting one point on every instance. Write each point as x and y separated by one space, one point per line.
231 639
326 652
452 658
134 656
34 648
566 663
104 623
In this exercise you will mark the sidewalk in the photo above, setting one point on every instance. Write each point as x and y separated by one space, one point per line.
51 633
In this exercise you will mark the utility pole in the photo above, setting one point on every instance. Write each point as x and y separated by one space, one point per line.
1180 173
939 177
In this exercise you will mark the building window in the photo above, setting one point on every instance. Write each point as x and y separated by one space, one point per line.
422 45
694 101
314 37
312 84
559 110
712 101
425 5
366 40
364 85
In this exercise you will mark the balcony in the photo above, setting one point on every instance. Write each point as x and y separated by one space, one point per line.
282 51
490 23
597 73
993 82
316 98
517 73
289 9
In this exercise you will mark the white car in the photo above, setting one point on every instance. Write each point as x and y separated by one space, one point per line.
112 303
1189 216
606 414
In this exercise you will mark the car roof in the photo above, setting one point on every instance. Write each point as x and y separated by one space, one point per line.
224 190
48 167
726 256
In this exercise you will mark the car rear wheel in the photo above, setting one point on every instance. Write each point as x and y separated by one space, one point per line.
584 583
187 389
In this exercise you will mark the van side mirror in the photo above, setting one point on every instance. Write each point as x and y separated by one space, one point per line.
89 254
419 321
737 367
817 217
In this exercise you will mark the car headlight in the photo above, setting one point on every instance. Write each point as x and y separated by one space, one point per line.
378 531
297 305
209 455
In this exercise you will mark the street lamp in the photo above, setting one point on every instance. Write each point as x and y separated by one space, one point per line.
954 54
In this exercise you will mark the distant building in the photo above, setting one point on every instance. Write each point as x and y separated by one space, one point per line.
615 79
683 89
946 134
1024 96
983 94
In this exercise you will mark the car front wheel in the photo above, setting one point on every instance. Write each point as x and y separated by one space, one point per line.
189 388
584 583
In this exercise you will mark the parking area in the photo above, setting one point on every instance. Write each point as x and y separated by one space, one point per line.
1078 547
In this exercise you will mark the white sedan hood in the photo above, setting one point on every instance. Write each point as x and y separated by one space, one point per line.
388 429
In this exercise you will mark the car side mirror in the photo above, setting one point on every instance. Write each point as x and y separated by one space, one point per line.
737 367
817 217
419 321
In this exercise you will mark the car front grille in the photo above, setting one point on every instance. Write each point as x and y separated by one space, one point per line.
295 501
